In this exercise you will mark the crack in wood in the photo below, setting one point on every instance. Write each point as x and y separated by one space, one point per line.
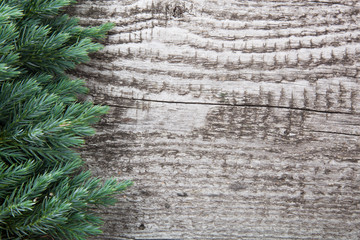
337 133
332 3
237 105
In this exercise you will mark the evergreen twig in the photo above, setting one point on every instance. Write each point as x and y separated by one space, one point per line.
42 193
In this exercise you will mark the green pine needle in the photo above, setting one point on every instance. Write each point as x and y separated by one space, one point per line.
43 193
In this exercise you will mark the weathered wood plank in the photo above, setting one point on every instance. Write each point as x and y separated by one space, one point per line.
235 119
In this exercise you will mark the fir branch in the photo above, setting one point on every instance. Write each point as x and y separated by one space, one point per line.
8 12
13 176
66 89
42 192
93 32
16 92
43 8
51 213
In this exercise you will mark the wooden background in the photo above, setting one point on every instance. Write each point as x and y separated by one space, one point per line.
235 119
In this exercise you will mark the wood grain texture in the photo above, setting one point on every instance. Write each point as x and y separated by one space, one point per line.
235 119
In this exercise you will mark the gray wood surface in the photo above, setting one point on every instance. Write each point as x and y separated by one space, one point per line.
235 119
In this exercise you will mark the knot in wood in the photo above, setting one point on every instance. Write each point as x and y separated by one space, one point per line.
178 11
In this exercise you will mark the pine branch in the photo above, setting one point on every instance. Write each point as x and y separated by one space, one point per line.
43 8
8 12
66 89
13 176
16 92
42 192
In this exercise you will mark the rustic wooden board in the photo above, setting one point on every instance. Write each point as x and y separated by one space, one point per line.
235 119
